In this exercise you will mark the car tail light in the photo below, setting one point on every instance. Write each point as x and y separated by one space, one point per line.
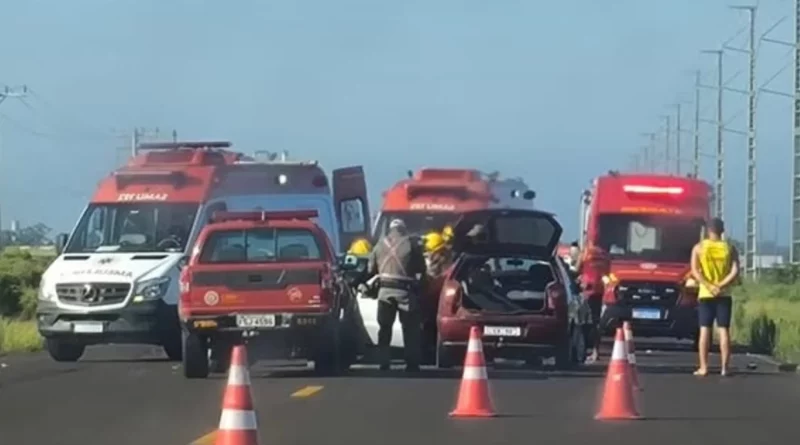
451 293
556 297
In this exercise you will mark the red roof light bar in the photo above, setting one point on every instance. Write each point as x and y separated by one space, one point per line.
179 145
264 215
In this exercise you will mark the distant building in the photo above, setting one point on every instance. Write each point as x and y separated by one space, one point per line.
14 225
768 261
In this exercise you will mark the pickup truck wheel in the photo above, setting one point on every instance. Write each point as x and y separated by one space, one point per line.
195 356
64 351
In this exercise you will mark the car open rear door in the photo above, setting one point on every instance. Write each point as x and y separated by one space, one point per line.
507 231
352 207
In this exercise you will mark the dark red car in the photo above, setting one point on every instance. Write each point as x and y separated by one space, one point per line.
268 279
507 279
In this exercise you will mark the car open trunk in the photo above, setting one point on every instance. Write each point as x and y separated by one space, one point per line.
505 285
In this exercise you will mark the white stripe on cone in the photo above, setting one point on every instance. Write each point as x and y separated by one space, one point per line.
238 375
474 373
236 419
619 352
474 346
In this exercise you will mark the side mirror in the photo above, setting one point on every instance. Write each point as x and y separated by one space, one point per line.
349 262
61 242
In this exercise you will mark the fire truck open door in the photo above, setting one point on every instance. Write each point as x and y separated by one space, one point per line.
352 207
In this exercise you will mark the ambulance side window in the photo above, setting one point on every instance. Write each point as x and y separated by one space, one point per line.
216 207
352 211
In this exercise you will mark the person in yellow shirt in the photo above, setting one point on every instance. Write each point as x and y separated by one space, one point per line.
715 266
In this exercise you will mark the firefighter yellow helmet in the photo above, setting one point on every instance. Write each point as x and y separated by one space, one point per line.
447 233
360 247
433 241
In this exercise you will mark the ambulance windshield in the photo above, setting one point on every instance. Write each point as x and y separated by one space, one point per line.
134 227
649 237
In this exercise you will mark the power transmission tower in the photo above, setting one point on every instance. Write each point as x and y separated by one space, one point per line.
696 134
719 177
751 243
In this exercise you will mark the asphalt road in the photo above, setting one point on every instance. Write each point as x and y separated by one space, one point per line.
130 395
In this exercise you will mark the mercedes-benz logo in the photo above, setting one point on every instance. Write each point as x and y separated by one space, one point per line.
89 293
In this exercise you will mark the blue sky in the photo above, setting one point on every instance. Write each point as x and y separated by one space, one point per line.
554 92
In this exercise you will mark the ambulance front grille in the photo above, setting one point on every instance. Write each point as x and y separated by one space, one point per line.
92 294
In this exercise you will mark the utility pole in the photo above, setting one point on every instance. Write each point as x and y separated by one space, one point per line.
696 157
719 177
11 93
140 133
794 250
751 244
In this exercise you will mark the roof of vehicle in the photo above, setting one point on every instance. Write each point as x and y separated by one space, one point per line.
253 219
507 231
651 193
455 190
167 172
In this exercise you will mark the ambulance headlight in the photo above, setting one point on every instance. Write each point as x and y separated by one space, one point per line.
151 289
45 293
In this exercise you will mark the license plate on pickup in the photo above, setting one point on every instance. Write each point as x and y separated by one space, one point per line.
646 314
502 331
87 327
255 320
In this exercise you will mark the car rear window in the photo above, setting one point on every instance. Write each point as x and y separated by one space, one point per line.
261 246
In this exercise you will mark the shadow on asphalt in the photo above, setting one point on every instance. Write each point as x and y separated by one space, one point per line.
128 360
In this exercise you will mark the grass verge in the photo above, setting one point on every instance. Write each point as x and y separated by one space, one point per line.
19 336
767 317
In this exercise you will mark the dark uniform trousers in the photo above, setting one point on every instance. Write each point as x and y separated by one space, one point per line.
410 321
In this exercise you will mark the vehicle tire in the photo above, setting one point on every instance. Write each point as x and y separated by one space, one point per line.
578 345
172 346
195 356
64 351
563 353
444 357
327 354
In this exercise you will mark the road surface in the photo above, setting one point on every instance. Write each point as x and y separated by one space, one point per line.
130 395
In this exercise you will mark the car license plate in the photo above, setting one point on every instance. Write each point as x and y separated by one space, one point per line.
87 328
502 331
647 314
255 320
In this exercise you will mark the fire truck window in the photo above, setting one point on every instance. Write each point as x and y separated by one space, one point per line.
352 211
642 237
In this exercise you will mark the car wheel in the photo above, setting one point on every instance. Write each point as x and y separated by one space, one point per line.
578 345
195 356
64 351
444 357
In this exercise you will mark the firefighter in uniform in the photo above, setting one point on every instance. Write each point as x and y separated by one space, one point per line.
438 255
399 263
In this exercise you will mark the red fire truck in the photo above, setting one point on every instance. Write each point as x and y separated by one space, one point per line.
638 235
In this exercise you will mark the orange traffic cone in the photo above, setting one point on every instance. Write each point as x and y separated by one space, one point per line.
473 397
626 326
618 402
237 424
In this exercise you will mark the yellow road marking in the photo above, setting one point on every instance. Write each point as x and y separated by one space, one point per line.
307 391
208 439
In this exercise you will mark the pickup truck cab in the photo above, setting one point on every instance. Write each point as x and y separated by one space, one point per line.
267 279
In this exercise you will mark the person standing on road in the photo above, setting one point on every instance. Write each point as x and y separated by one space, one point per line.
399 263
715 266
